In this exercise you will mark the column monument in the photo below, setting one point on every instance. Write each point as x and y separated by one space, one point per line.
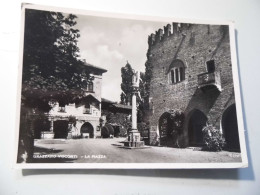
134 137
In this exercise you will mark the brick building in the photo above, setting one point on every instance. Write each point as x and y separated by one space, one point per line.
191 76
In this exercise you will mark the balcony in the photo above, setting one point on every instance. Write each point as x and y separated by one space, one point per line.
209 80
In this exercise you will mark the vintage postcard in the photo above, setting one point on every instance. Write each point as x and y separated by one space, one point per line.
103 90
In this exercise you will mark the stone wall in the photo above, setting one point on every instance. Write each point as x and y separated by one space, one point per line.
194 45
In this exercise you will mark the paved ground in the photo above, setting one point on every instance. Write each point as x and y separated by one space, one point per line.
111 151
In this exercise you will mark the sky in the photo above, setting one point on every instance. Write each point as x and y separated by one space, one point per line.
111 42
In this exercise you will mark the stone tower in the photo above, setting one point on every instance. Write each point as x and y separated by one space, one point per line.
191 85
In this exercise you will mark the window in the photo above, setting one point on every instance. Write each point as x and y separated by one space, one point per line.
61 107
88 86
87 109
176 72
210 66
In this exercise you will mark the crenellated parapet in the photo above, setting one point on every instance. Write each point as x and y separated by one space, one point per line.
151 39
169 30
158 35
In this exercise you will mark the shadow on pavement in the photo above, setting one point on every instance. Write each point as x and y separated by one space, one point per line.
42 150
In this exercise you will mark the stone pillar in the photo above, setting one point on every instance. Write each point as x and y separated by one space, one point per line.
70 128
103 120
134 137
51 125
134 113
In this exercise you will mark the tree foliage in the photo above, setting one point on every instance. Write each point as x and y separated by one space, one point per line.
126 96
51 69
171 127
126 85
127 73
213 138
107 131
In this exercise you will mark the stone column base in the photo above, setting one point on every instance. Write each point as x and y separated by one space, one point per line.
139 144
47 135
134 140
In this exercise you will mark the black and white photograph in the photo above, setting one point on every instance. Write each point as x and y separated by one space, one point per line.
101 90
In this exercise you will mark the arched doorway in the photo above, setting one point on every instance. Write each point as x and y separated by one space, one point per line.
87 130
196 123
230 128
60 128
170 127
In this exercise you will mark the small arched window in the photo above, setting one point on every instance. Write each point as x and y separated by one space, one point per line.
176 72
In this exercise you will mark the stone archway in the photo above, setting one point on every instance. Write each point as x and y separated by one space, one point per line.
230 128
87 130
60 128
170 127
197 121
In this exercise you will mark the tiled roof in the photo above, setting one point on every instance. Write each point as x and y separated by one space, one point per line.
116 105
91 97
95 67
122 106
107 101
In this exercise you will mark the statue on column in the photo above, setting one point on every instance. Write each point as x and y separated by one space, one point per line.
134 135
136 79
136 82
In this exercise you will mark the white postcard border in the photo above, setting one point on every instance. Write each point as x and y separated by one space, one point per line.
242 164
